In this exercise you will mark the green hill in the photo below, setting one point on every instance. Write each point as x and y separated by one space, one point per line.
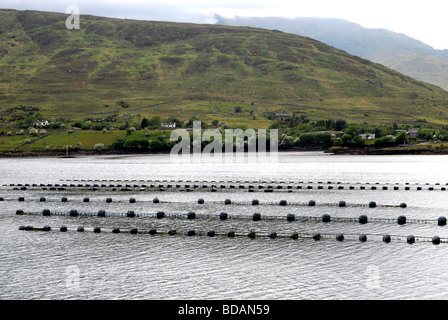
184 70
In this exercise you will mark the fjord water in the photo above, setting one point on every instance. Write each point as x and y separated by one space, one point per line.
74 265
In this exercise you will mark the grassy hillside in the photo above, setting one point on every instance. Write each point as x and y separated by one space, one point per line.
395 50
185 70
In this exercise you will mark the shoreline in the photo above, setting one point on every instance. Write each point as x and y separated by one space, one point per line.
333 151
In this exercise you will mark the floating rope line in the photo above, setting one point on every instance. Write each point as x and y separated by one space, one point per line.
326 218
254 202
411 239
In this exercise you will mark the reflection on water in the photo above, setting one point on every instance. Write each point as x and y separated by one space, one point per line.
72 265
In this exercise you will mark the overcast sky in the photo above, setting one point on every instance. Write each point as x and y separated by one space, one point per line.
426 20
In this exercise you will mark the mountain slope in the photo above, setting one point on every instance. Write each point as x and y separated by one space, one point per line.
184 70
394 50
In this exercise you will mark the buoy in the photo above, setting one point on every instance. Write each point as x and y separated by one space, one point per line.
441 221
29 228
363 219
132 200
152 231
101 213
273 235
372 204
211 233
64 199
386 238
46 228
401 220
116 230
223 216
326 218
362 238
251 234
63 229
227 201
294 235
109 200
290 217
134 231
403 205
342 204
311 203
73 213
410 239
172 232
231 234
396 188
256 217
46 212
255 202
21 199
384 188
160 215
340 237
42 199
436 240
201 201
191 233
86 200
283 203
317 236
130 214
80 229
191 215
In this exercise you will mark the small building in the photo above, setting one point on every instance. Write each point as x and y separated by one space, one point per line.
283 115
168 125
368 136
42 123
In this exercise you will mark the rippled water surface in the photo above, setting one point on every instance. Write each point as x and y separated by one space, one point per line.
88 265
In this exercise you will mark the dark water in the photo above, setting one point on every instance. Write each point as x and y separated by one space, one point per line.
74 265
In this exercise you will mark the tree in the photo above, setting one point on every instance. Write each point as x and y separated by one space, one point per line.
238 109
215 122
401 138
155 121
144 123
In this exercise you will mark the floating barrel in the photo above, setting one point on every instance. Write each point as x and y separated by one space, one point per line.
256 217
46 228
191 233
130 214
309 187
362 238
64 199
363 219
320 187
410 239
86 200
227 201
101 213
403 205
21 199
373 188
73 213
283 202
109 200
317 236
252 234
386 238
191 215
431 188
223 216
46 212
362 188
29 228
441 221
340 188
255 202
116 230
42 199
211 233
384 188
63 229
97 230
160 215
201 201
372 204
396 188
340 237
290 217
231 234
326 218
407 188
213 190
311 203
132 200
401 220
273 235
419 188
80 229
134 231
294 235
152 231
172 232
342 204
436 240
1 199
330 187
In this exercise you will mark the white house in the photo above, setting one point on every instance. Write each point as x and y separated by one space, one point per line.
42 123
168 124
368 136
